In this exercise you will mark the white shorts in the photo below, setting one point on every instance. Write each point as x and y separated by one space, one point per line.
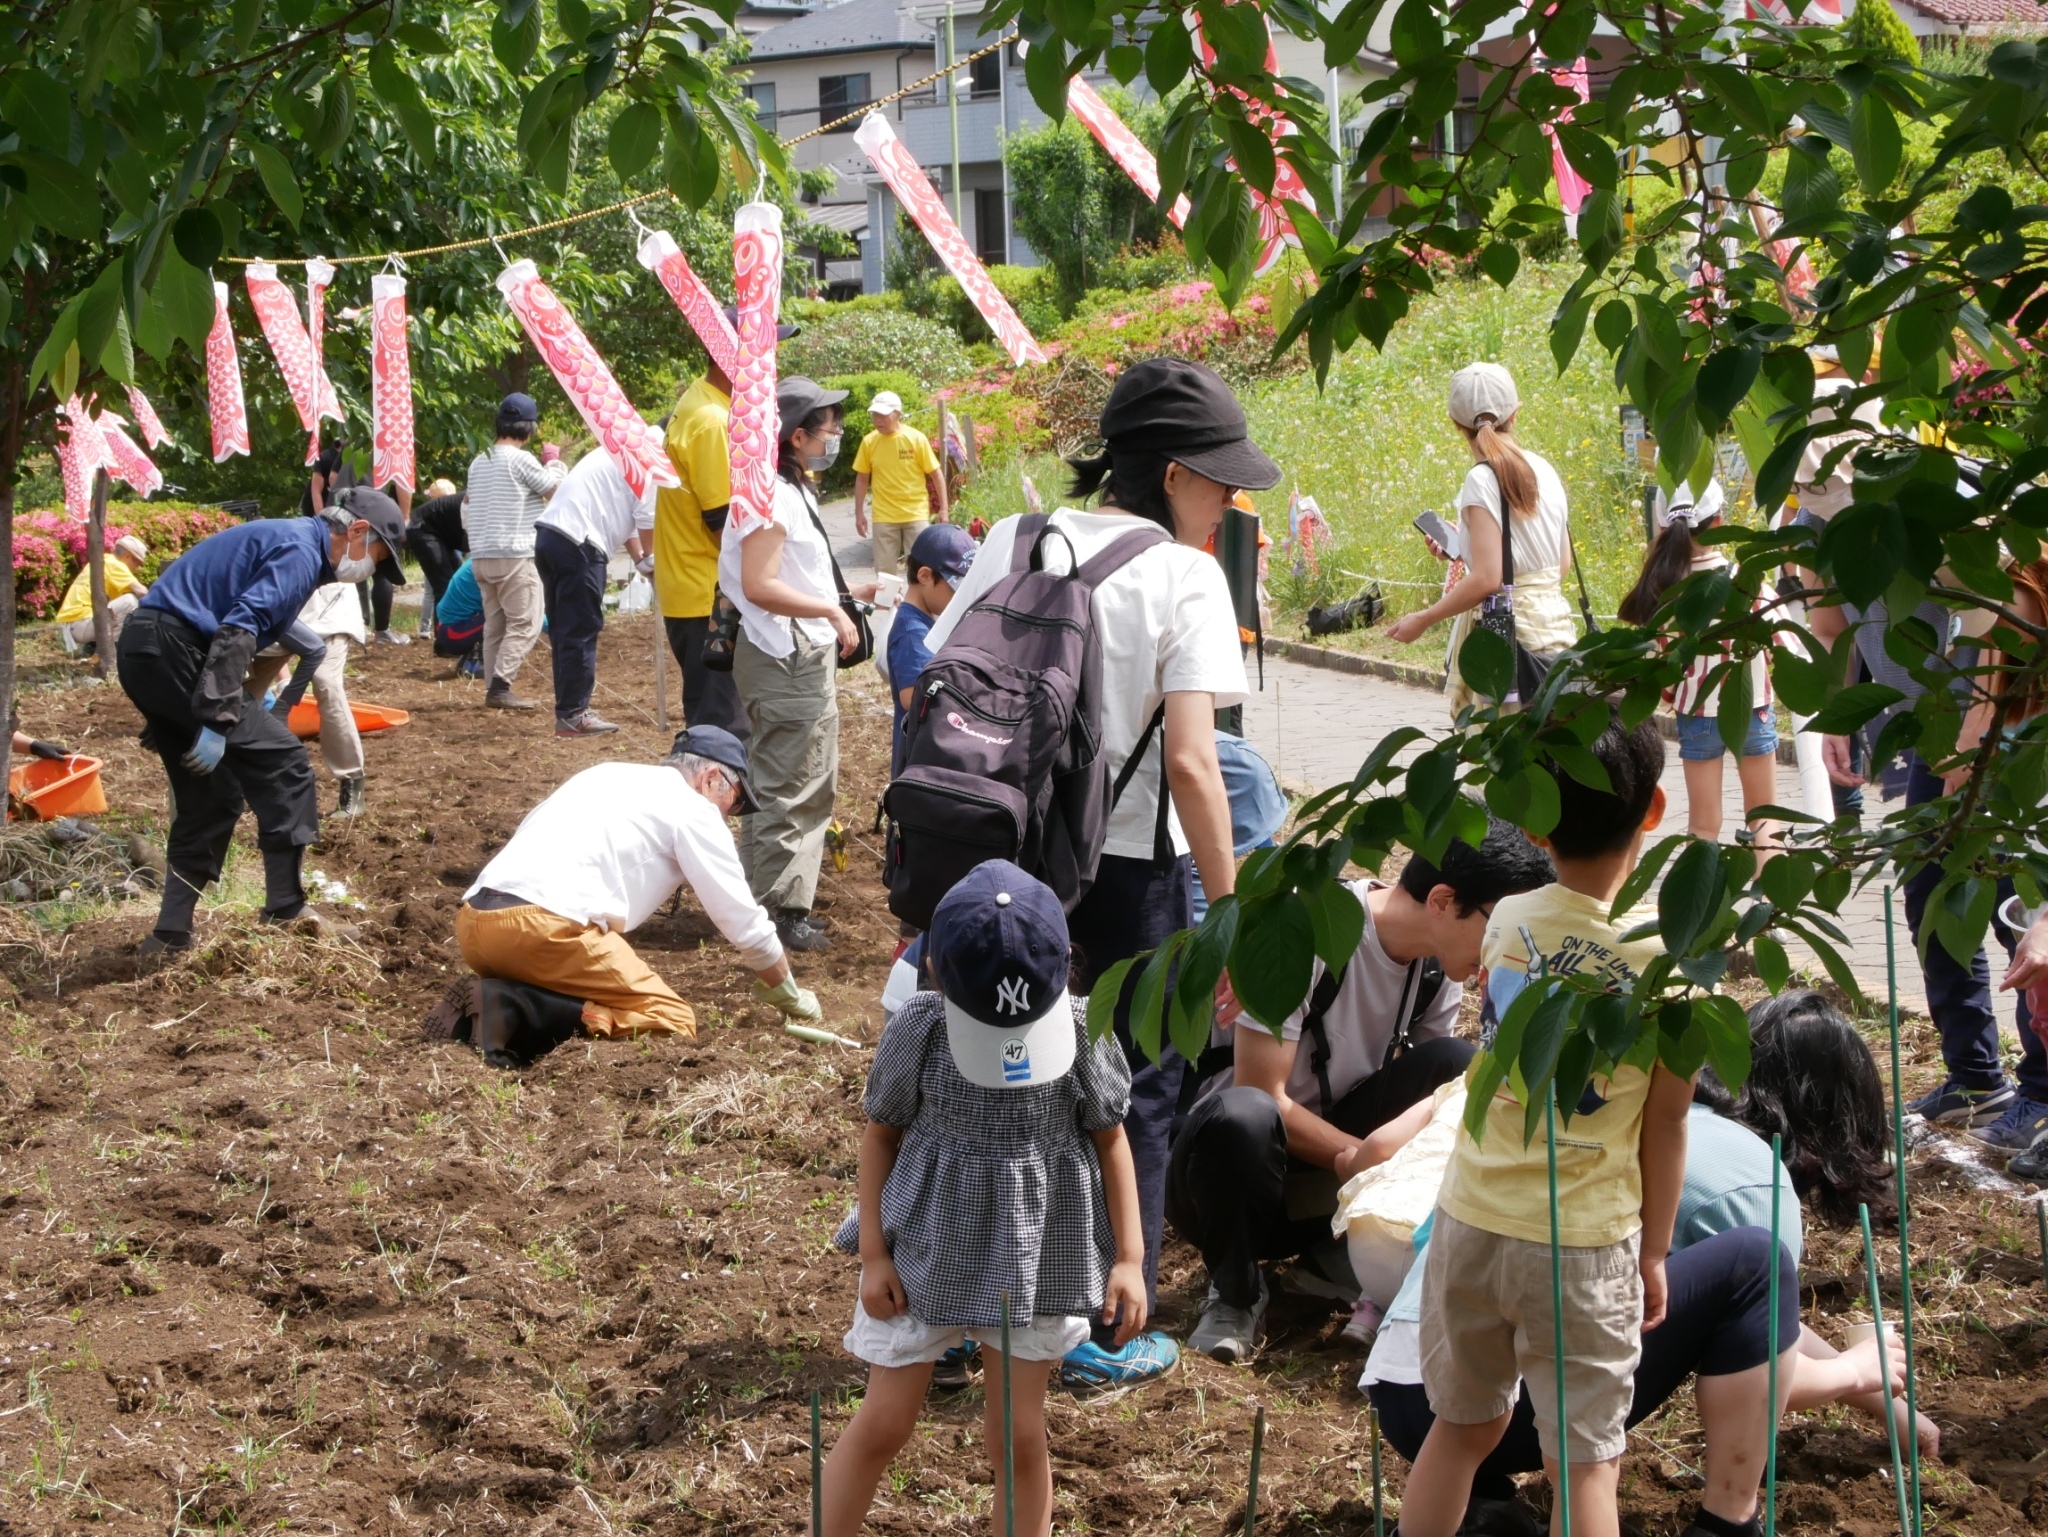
907 1341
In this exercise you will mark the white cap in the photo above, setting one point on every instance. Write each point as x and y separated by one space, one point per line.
132 547
1483 390
886 403
1690 507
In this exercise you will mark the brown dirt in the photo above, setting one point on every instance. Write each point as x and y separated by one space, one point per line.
272 1262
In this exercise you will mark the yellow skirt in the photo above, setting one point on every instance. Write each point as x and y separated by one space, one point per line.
1544 623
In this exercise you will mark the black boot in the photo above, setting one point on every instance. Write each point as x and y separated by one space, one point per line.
798 932
351 797
283 897
518 1023
173 930
454 1017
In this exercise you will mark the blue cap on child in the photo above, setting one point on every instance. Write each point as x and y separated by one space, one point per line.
998 950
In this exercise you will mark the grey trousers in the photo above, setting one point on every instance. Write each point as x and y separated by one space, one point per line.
792 703
511 593
341 745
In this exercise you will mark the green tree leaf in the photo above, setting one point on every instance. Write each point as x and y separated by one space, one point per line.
635 138
197 236
1487 663
1690 896
186 294
1169 55
1273 955
278 180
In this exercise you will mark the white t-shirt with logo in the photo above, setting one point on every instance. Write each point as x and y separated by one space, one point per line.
1372 1003
1166 626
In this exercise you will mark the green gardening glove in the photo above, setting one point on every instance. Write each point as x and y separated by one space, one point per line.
798 1003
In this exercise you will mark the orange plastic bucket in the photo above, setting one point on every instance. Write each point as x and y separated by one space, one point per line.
305 717
59 787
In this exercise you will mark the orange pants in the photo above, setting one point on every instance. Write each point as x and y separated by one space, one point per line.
621 994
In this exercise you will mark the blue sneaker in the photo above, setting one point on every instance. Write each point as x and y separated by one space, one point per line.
2015 1131
950 1371
1961 1109
1089 1368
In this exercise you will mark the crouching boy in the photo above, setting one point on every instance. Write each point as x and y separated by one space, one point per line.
1486 1312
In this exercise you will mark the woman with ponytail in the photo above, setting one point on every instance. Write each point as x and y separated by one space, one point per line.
1506 480
1697 699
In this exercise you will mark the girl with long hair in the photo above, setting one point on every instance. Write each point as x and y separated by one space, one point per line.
1507 481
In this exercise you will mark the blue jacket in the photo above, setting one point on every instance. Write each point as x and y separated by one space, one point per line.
255 577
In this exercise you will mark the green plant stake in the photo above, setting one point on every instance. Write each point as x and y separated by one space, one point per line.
1564 1454
817 1471
1771 1451
1379 1519
1884 1371
2041 1215
1009 1442
1891 974
1251 1502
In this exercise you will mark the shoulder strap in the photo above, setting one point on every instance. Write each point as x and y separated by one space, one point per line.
1312 1025
1030 526
838 577
1419 994
1155 726
1125 547
1585 602
1506 519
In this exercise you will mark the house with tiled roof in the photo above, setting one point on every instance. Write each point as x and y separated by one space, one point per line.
1955 18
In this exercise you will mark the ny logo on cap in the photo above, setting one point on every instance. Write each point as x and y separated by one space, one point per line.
1013 996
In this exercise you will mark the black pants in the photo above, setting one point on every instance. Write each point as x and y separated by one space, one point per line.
1132 906
264 767
1228 1174
1717 1323
438 563
572 589
375 596
709 698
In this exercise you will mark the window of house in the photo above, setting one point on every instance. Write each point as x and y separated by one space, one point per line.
841 94
985 76
763 98
991 226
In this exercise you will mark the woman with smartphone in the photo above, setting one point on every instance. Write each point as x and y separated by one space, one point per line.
1505 474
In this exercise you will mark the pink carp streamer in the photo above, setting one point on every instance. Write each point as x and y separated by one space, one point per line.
124 460
660 255
145 417
1121 145
752 429
913 190
634 446
391 446
224 404
80 455
320 273
1790 255
1276 225
1572 188
278 314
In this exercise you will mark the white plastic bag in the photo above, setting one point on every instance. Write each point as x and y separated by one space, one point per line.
1379 1210
638 596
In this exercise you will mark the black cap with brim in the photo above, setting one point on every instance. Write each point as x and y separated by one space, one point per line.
783 329
1186 412
1242 465
387 526
717 745
797 397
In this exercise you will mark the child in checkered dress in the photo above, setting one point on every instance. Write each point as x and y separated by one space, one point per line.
994 1168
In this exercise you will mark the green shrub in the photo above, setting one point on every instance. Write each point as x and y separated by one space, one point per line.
853 337
1875 26
860 389
49 545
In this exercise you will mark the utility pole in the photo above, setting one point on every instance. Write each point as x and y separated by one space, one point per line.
953 104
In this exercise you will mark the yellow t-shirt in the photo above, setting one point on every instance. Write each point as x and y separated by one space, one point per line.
1504 1187
685 551
897 463
78 598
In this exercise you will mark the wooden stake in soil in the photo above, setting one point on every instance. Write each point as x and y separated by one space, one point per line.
817 1470
660 670
1009 1444
1884 1372
2041 1215
1379 1518
1251 1499
1891 973
1564 1454
96 568
1771 1451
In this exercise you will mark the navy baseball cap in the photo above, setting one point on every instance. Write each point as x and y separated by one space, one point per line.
947 548
783 329
719 746
997 948
519 407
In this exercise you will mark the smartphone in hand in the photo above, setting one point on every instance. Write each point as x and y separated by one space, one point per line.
1444 534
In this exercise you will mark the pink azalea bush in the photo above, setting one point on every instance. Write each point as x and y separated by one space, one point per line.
49 546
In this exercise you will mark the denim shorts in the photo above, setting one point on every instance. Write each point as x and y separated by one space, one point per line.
1699 737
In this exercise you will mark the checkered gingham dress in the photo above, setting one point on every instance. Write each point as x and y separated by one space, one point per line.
993 1189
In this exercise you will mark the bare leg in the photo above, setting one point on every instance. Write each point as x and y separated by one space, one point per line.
1440 1483
1759 776
1027 1439
866 1447
1596 1512
1738 1434
1703 798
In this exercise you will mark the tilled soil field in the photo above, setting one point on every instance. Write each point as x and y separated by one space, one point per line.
273 1263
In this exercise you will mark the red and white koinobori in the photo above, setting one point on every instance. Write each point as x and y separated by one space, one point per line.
1276 225
660 255
146 418
913 190
224 406
391 449
754 424
1572 188
634 446
1121 145
124 461
80 454
320 273
278 313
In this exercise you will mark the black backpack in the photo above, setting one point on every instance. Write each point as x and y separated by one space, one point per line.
1003 741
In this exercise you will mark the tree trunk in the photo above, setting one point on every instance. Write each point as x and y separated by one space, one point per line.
96 567
12 409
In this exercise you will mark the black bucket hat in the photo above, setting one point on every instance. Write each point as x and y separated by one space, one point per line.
1186 412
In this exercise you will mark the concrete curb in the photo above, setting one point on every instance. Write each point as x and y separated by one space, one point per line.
1432 679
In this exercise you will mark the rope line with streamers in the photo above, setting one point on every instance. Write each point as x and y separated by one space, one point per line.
630 203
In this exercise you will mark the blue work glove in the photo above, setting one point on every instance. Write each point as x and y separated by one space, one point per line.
205 754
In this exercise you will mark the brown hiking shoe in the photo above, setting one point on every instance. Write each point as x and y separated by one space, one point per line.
499 696
454 1017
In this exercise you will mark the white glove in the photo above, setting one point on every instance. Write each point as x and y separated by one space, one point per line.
644 565
795 1002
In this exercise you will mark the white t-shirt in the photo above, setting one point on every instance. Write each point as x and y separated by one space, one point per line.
1166 626
1372 1003
806 566
613 844
334 612
1825 498
1541 538
594 505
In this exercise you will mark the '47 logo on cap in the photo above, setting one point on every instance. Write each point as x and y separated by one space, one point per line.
1016 1060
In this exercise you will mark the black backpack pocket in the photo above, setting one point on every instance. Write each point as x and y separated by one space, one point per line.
942 823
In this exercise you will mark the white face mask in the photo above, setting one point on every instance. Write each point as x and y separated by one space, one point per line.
355 568
823 461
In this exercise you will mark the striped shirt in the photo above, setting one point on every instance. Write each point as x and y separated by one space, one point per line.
507 489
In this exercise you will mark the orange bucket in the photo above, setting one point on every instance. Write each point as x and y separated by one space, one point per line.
59 787
305 717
